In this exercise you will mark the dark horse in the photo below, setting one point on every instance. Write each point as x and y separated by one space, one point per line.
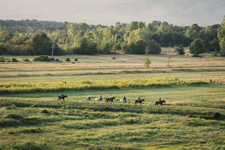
137 101
110 99
62 97
160 102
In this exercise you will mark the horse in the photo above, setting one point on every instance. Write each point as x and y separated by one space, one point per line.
89 98
160 102
110 99
122 100
137 101
62 97
98 99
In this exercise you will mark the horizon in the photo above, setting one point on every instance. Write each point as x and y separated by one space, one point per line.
108 12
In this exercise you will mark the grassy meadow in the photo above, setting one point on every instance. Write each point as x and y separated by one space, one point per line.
193 116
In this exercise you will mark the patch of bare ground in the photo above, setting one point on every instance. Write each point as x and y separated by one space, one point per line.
221 100
178 102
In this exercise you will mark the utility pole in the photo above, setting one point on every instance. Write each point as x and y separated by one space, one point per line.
53 46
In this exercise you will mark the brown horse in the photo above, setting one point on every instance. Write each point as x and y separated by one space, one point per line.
158 102
62 97
110 99
137 101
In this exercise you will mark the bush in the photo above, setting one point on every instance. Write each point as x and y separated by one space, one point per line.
13 116
76 59
44 111
6 122
28 146
179 50
26 60
42 58
147 62
14 60
2 59
67 59
216 116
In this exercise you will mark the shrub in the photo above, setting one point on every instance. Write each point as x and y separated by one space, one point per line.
26 60
216 116
44 111
13 116
2 59
42 58
179 50
28 146
6 122
76 59
3 104
14 60
147 62
67 59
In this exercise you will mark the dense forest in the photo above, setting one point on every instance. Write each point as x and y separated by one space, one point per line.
33 37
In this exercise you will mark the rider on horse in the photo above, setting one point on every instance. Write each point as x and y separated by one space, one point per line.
62 95
125 99
89 97
139 99
160 101
100 97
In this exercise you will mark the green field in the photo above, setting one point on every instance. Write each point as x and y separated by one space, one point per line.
193 116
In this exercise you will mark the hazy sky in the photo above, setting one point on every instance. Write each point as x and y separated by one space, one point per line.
108 12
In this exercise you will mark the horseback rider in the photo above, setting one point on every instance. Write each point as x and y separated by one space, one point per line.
100 97
62 95
89 97
160 101
110 97
139 99
125 99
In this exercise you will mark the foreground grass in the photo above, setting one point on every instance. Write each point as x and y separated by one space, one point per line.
78 124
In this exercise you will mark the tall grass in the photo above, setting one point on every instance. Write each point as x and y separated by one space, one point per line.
95 84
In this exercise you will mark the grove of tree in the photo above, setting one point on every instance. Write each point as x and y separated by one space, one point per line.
33 37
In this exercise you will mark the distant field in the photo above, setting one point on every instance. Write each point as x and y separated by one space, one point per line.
193 116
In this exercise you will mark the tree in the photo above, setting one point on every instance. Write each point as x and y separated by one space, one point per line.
214 46
153 47
134 47
84 46
221 36
147 62
193 31
196 47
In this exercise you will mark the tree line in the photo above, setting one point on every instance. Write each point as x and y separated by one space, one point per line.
33 37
